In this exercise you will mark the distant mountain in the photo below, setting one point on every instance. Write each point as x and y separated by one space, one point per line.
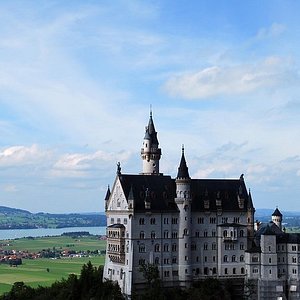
13 218
9 210
266 212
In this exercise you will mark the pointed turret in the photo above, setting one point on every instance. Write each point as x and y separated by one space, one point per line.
184 204
183 171
250 202
107 196
107 193
150 152
277 218
130 198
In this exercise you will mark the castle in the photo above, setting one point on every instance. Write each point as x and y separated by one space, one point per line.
193 229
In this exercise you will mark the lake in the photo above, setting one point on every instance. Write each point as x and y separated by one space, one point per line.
20 233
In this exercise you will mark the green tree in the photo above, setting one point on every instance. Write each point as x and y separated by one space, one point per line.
154 284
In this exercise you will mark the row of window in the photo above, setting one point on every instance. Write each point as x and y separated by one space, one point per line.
233 233
197 234
200 220
294 247
233 258
112 221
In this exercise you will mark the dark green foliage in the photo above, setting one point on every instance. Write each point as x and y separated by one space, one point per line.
154 285
208 289
88 286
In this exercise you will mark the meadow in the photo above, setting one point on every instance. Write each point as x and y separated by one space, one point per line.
58 242
45 271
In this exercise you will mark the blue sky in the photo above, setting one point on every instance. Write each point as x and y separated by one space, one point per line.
77 79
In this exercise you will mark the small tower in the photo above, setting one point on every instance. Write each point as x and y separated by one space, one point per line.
250 218
277 218
184 202
150 152
107 197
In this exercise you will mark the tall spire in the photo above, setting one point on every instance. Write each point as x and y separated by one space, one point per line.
150 152
183 171
107 193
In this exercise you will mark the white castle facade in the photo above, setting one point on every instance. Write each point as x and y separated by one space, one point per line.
192 229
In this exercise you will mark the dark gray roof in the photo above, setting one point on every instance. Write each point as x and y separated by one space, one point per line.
150 133
116 226
225 190
162 191
281 236
183 171
107 194
290 238
277 213
268 229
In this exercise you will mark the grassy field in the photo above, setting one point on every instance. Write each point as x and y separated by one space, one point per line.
34 271
59 242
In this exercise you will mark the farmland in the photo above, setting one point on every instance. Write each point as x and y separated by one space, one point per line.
45 271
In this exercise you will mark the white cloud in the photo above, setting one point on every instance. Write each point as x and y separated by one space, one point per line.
273 72
80 165
11 188
274 30
22 155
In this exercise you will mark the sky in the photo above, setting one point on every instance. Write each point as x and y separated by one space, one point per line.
77 79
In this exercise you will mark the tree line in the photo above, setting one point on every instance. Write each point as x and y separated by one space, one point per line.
89 286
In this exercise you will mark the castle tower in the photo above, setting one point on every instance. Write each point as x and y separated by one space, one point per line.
184 202
250 219
150 152
277 218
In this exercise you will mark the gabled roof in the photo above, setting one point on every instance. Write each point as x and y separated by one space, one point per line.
162 193
225 190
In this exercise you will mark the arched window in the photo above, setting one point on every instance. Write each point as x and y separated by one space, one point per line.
225 233
166 247
185 232
156 248
142 235
156 261
153 235
142 248
242 258
225 258
241 233
233 258
242 271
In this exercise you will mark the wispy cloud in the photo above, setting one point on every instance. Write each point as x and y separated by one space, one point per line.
276 29
22 155
81 165
273 72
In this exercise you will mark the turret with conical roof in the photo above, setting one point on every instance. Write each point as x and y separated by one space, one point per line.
107 196
150 152
184 204
183 171
277 218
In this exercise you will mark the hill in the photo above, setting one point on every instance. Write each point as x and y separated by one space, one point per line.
13 218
